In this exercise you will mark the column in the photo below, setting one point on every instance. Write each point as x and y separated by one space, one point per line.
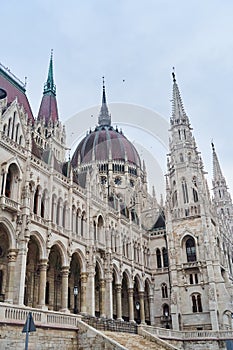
64 300
102 298
118 302
12 255
20 273
42 286
142 307
131 306
108 296
91 293
151 308
83 295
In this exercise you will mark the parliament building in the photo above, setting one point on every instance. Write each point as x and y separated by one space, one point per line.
82 234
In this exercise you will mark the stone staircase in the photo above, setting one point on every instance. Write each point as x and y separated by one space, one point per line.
137 342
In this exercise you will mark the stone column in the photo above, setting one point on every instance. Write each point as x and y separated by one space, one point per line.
102 298
42 286
91 293
151 309
20 273
64 293
118 302
12 254
142 307
131 306
108 296
83 295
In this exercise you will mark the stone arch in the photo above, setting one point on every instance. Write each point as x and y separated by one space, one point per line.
117 274
128 278
13 176
32 276
139 280
148 296
227 319
6 225
188 246
41 244
81 258
63 252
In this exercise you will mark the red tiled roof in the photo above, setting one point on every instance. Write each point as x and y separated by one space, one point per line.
13 90
48 108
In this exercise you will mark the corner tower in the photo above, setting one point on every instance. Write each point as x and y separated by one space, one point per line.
195 269
49 133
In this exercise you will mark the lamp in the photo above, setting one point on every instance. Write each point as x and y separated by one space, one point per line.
75 299
137 305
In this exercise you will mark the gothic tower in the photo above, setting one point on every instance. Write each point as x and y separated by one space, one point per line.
197 278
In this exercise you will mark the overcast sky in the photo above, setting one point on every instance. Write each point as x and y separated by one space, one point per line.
135 41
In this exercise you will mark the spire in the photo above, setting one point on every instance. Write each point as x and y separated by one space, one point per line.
217 172
48 107
104 116
178 112
49 86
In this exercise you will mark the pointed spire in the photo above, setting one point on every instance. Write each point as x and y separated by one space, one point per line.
49 86
217 172
178 112
104 116
48 108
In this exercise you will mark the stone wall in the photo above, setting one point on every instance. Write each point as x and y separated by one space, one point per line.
11 337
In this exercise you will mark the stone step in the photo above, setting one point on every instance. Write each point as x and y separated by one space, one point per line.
133 341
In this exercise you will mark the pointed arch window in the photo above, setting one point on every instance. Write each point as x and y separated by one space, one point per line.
165 257
174 199
164 291
36 200
158 257
185 191
191 250
196 303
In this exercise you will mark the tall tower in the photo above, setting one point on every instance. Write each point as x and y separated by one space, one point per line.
49 133
192 231
224 209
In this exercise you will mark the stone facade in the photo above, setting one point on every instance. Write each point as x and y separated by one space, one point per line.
89 224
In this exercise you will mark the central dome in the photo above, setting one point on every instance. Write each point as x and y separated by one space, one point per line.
105 144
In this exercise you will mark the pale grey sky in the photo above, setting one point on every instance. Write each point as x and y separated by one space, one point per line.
138 41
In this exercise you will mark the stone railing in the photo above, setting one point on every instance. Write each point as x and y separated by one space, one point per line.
9 204
189 335
103 324
10 314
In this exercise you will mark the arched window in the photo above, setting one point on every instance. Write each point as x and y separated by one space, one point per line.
185 191
174 199
195 195
42 207
164 290
165 310
36 200
9 127
158 257
196 303
17 132
191 250
165 257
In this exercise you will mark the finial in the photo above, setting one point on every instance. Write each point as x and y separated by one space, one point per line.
103 82
173 74
212 144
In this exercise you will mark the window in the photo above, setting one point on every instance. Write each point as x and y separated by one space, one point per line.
196 303
191 250
195 195
158 256
185 192
164 290
165 257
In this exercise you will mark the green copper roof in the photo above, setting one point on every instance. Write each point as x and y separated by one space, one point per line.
49 86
